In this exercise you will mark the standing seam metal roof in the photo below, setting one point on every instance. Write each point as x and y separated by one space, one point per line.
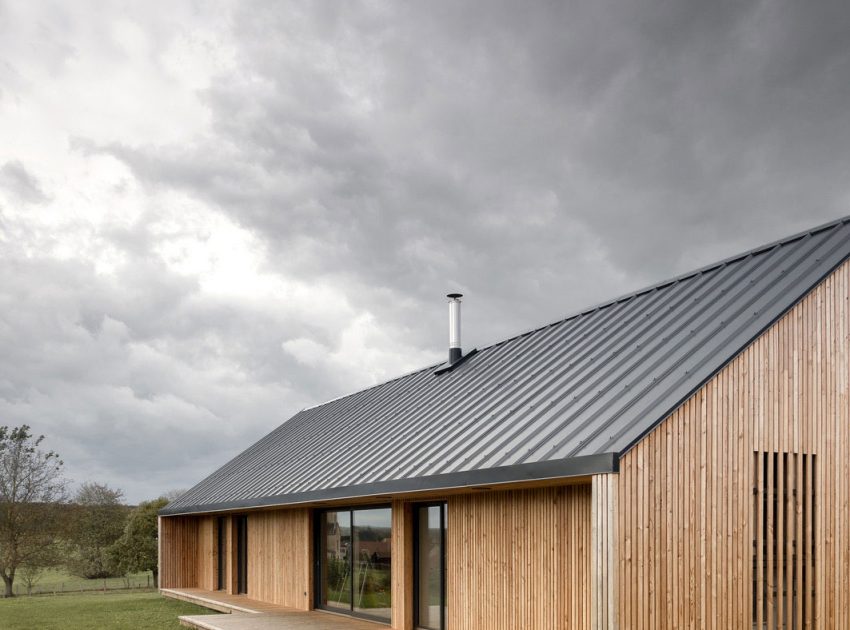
567 398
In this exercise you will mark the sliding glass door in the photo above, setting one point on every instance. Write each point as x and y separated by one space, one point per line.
430 566
355 561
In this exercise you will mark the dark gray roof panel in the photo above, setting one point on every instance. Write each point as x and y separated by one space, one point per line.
589 385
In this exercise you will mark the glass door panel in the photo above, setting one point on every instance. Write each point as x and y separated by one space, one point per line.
372 562
354 561
430 566
336 587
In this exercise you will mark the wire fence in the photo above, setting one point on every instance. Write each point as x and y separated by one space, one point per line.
133 582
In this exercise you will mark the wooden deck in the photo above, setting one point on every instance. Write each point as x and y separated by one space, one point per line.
242 613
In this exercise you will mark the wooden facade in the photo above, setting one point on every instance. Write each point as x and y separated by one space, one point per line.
509 551
207 553
604 555
178 552
520 559
402 571
734 512
691 544
280 557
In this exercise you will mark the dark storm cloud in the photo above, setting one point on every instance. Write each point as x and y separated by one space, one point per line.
16 179
539 157
549 154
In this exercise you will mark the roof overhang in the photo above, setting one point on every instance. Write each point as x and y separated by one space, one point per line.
538 471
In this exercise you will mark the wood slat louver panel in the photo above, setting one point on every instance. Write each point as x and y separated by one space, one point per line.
783 542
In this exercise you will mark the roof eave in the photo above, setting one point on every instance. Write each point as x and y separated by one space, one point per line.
582 466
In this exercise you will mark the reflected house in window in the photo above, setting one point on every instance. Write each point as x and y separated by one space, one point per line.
338 542
378 551
675 457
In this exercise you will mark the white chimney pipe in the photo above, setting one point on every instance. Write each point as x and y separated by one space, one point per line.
455 352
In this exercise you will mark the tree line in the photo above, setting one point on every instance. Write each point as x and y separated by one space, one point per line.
91 534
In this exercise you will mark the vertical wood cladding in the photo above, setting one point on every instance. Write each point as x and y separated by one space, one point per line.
604 557
178 551
519 560
231 577
279 553
207 553
686 490
402 565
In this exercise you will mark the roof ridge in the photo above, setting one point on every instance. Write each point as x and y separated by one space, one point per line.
675 279
760 249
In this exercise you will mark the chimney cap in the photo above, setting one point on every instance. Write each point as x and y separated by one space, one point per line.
454 296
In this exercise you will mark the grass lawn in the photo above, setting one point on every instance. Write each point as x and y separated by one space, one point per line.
142 610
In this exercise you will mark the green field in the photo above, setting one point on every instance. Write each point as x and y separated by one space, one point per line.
58 581
139 610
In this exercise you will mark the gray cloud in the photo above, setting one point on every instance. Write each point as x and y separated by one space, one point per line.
425 146
16 179
538 157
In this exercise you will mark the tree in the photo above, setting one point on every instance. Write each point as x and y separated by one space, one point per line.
173 495
136 550
33 570
98 522
31 488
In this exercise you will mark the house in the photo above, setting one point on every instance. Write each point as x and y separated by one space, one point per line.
677 457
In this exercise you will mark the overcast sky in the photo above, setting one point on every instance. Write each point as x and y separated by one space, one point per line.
214 214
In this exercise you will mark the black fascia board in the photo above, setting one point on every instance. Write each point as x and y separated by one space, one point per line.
538 471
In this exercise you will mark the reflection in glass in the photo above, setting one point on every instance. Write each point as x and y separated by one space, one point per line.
372 562
430 560
336 585
356 561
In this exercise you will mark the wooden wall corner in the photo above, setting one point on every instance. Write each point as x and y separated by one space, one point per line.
402 559
604 553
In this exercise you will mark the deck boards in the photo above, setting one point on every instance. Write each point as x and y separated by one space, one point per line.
250 614
289 620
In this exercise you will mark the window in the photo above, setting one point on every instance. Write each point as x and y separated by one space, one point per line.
430 566
354 561
784 512
242 554
220 551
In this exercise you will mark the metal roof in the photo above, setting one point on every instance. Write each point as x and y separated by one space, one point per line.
565 399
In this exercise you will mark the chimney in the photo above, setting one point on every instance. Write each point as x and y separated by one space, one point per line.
455 353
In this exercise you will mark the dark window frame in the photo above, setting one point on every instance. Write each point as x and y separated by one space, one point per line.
443 505
318 556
